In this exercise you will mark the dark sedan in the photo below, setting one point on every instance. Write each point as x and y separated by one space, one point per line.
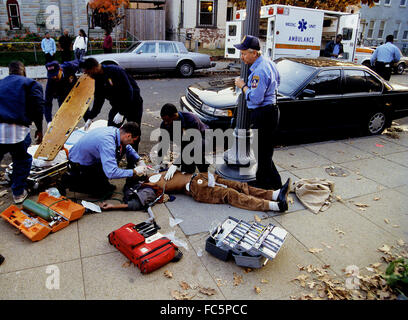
314 95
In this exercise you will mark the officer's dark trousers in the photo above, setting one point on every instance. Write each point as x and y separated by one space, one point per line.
189 163
383 69
87 179
266 120
21 163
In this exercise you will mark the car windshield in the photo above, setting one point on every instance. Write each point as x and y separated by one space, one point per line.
292 74
132 47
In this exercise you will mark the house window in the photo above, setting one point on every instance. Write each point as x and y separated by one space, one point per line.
370 29
396 31
387 3
13 12
207 13
405 35
381 30
403 3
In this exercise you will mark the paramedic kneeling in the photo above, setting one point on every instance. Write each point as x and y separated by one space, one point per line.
260 95
93 160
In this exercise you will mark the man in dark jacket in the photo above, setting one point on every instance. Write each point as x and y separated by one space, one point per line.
65 43
116 85
61 79
334 48
184 121
21 103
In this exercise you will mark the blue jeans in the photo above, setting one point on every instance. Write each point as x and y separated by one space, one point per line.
21 163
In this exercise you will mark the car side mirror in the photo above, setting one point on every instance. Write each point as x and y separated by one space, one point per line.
308 93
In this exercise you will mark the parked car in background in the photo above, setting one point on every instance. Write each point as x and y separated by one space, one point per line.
314 95
157 56
363 55
400 66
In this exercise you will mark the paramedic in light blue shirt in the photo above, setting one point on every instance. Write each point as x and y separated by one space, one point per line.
93 160
48 47
384 56
260 95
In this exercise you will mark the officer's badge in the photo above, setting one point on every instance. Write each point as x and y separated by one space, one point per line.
243 39
254 82
110 82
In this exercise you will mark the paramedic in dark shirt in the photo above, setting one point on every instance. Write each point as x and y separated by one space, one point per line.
61 79
187 120
334 48
119 88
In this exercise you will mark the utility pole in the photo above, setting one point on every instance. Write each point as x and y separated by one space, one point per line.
239 161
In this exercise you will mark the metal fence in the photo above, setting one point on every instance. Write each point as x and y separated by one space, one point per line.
33 52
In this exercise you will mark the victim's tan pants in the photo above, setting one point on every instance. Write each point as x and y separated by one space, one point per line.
237 194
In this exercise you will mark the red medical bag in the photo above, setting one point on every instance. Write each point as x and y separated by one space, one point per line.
133 241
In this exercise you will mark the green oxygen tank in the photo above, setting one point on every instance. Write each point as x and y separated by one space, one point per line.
39 209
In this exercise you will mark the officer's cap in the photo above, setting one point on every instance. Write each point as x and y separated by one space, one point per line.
248 42
52 69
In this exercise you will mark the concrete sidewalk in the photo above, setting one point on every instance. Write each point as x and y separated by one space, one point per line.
369 214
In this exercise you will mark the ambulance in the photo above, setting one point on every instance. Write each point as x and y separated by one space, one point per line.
288 31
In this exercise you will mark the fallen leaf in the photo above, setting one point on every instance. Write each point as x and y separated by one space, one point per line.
302 279
126 264
168 274
339 231
248 270
385 248
3 192
184 285
395 226
311 284
361 205
400 242
326 266
387 221
376 199
207 291
237 279
264 281
181 295
257 290
315 250
257 219
376 265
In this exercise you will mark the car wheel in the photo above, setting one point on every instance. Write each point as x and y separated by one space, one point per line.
186 69
377 122
400 68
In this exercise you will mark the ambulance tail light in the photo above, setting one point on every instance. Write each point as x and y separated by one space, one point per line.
270 11
282 10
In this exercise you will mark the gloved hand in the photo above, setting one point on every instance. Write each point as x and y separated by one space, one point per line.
38 137
141 170
87 124
170 172
118 118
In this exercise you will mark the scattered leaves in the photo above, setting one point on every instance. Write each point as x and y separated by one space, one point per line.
257 290
181 295
385 248
315 250
400 242
237 279
184 285
127 264
207 291
168 274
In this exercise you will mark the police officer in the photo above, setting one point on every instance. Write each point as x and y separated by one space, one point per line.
384 56
61 79
114 84
260 94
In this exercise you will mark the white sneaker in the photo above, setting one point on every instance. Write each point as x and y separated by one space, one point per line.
19 199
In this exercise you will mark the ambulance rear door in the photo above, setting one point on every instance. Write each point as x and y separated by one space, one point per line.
348 27
233 36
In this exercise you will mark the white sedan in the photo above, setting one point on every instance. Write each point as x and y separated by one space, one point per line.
153 56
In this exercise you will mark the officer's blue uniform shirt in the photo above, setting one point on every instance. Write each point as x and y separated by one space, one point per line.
100 146
386 53
263 83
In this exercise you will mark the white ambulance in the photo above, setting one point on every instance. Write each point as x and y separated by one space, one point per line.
288 31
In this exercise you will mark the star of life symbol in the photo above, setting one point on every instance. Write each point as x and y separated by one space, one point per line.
302 25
